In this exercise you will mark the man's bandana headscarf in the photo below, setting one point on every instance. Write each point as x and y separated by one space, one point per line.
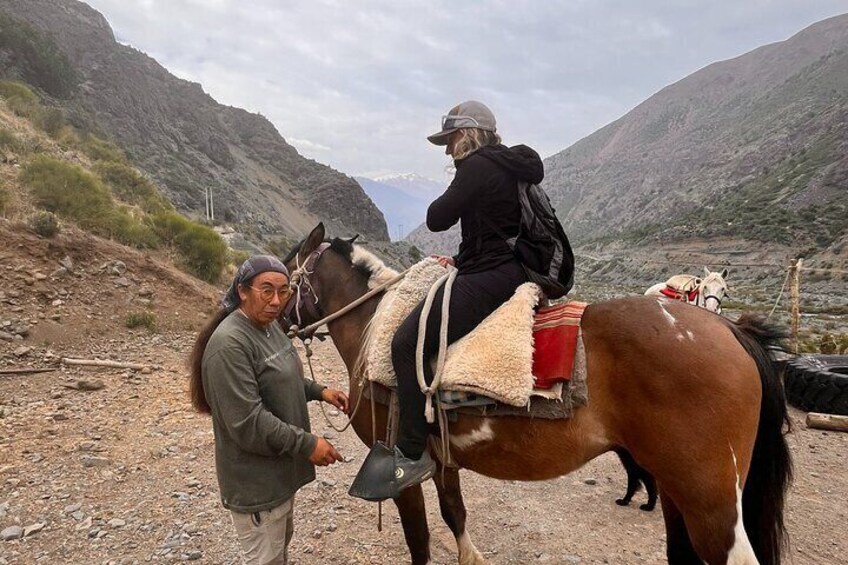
249 269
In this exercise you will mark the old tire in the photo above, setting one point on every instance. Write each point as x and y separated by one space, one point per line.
818 383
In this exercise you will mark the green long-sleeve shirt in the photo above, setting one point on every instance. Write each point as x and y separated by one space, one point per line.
254 384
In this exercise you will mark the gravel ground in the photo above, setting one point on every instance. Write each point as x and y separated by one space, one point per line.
125 474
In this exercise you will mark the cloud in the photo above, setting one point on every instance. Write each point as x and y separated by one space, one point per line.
359 85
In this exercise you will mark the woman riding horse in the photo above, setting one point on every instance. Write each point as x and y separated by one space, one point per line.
483 197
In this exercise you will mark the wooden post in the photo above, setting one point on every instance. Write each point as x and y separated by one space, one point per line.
795 299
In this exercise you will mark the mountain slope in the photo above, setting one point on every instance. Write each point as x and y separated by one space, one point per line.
185 140
754 147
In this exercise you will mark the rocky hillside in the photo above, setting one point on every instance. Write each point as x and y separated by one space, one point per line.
173 130
754 147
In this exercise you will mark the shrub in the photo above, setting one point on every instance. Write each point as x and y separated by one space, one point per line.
67 137
141 320
125 227
201 250
69 191
101 150
44 224
51 120
132 187
9 141
20 98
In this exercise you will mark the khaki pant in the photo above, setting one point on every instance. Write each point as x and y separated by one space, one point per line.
265 535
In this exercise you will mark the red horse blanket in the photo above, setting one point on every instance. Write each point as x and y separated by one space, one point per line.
555 333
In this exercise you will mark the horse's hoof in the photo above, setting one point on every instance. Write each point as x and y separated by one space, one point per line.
647 507
622 502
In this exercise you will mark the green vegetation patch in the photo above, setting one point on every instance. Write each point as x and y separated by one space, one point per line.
132 187
201 250
45 224
145 320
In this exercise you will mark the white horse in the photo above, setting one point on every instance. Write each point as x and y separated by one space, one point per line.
706 292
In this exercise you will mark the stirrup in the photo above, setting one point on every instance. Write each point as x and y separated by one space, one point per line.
375 480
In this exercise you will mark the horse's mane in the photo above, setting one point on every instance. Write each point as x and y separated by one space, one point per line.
365 262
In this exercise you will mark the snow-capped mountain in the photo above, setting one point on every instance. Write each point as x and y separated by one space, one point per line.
415 185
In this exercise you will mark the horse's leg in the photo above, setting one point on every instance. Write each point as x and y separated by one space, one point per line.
709 499
453 512
413 518
651 488
679 550
632 476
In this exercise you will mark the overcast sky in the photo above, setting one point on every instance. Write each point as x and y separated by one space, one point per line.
359 84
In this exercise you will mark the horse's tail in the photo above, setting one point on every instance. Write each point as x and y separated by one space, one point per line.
771 465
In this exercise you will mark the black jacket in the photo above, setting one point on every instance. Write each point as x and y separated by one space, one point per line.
485 184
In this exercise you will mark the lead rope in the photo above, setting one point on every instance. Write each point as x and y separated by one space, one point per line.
307 347
428 390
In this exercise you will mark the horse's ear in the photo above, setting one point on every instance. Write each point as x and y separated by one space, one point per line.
706 272
313 240
724 273
354 238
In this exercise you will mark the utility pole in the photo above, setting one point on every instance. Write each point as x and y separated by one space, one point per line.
210 204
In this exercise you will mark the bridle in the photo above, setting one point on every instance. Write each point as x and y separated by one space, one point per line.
705 297
304 298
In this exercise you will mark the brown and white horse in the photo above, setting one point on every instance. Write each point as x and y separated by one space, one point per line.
692 396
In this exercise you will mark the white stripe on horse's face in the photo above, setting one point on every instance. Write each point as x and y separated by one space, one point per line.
482 434
741 553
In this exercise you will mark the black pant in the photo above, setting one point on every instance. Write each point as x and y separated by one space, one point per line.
474 297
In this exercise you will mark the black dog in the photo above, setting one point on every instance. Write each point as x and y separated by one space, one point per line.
636 477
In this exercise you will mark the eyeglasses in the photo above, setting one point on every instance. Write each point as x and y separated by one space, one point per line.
450 121
267 293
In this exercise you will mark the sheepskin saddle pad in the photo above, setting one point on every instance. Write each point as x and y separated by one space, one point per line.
496 359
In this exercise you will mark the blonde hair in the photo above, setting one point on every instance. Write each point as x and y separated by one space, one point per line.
473 139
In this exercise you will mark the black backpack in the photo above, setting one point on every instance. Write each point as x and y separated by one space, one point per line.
541 244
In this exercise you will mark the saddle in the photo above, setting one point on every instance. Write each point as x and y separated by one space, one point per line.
514 354
682 287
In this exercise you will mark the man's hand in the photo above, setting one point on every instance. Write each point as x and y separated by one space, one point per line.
324 453
443 260
335 397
